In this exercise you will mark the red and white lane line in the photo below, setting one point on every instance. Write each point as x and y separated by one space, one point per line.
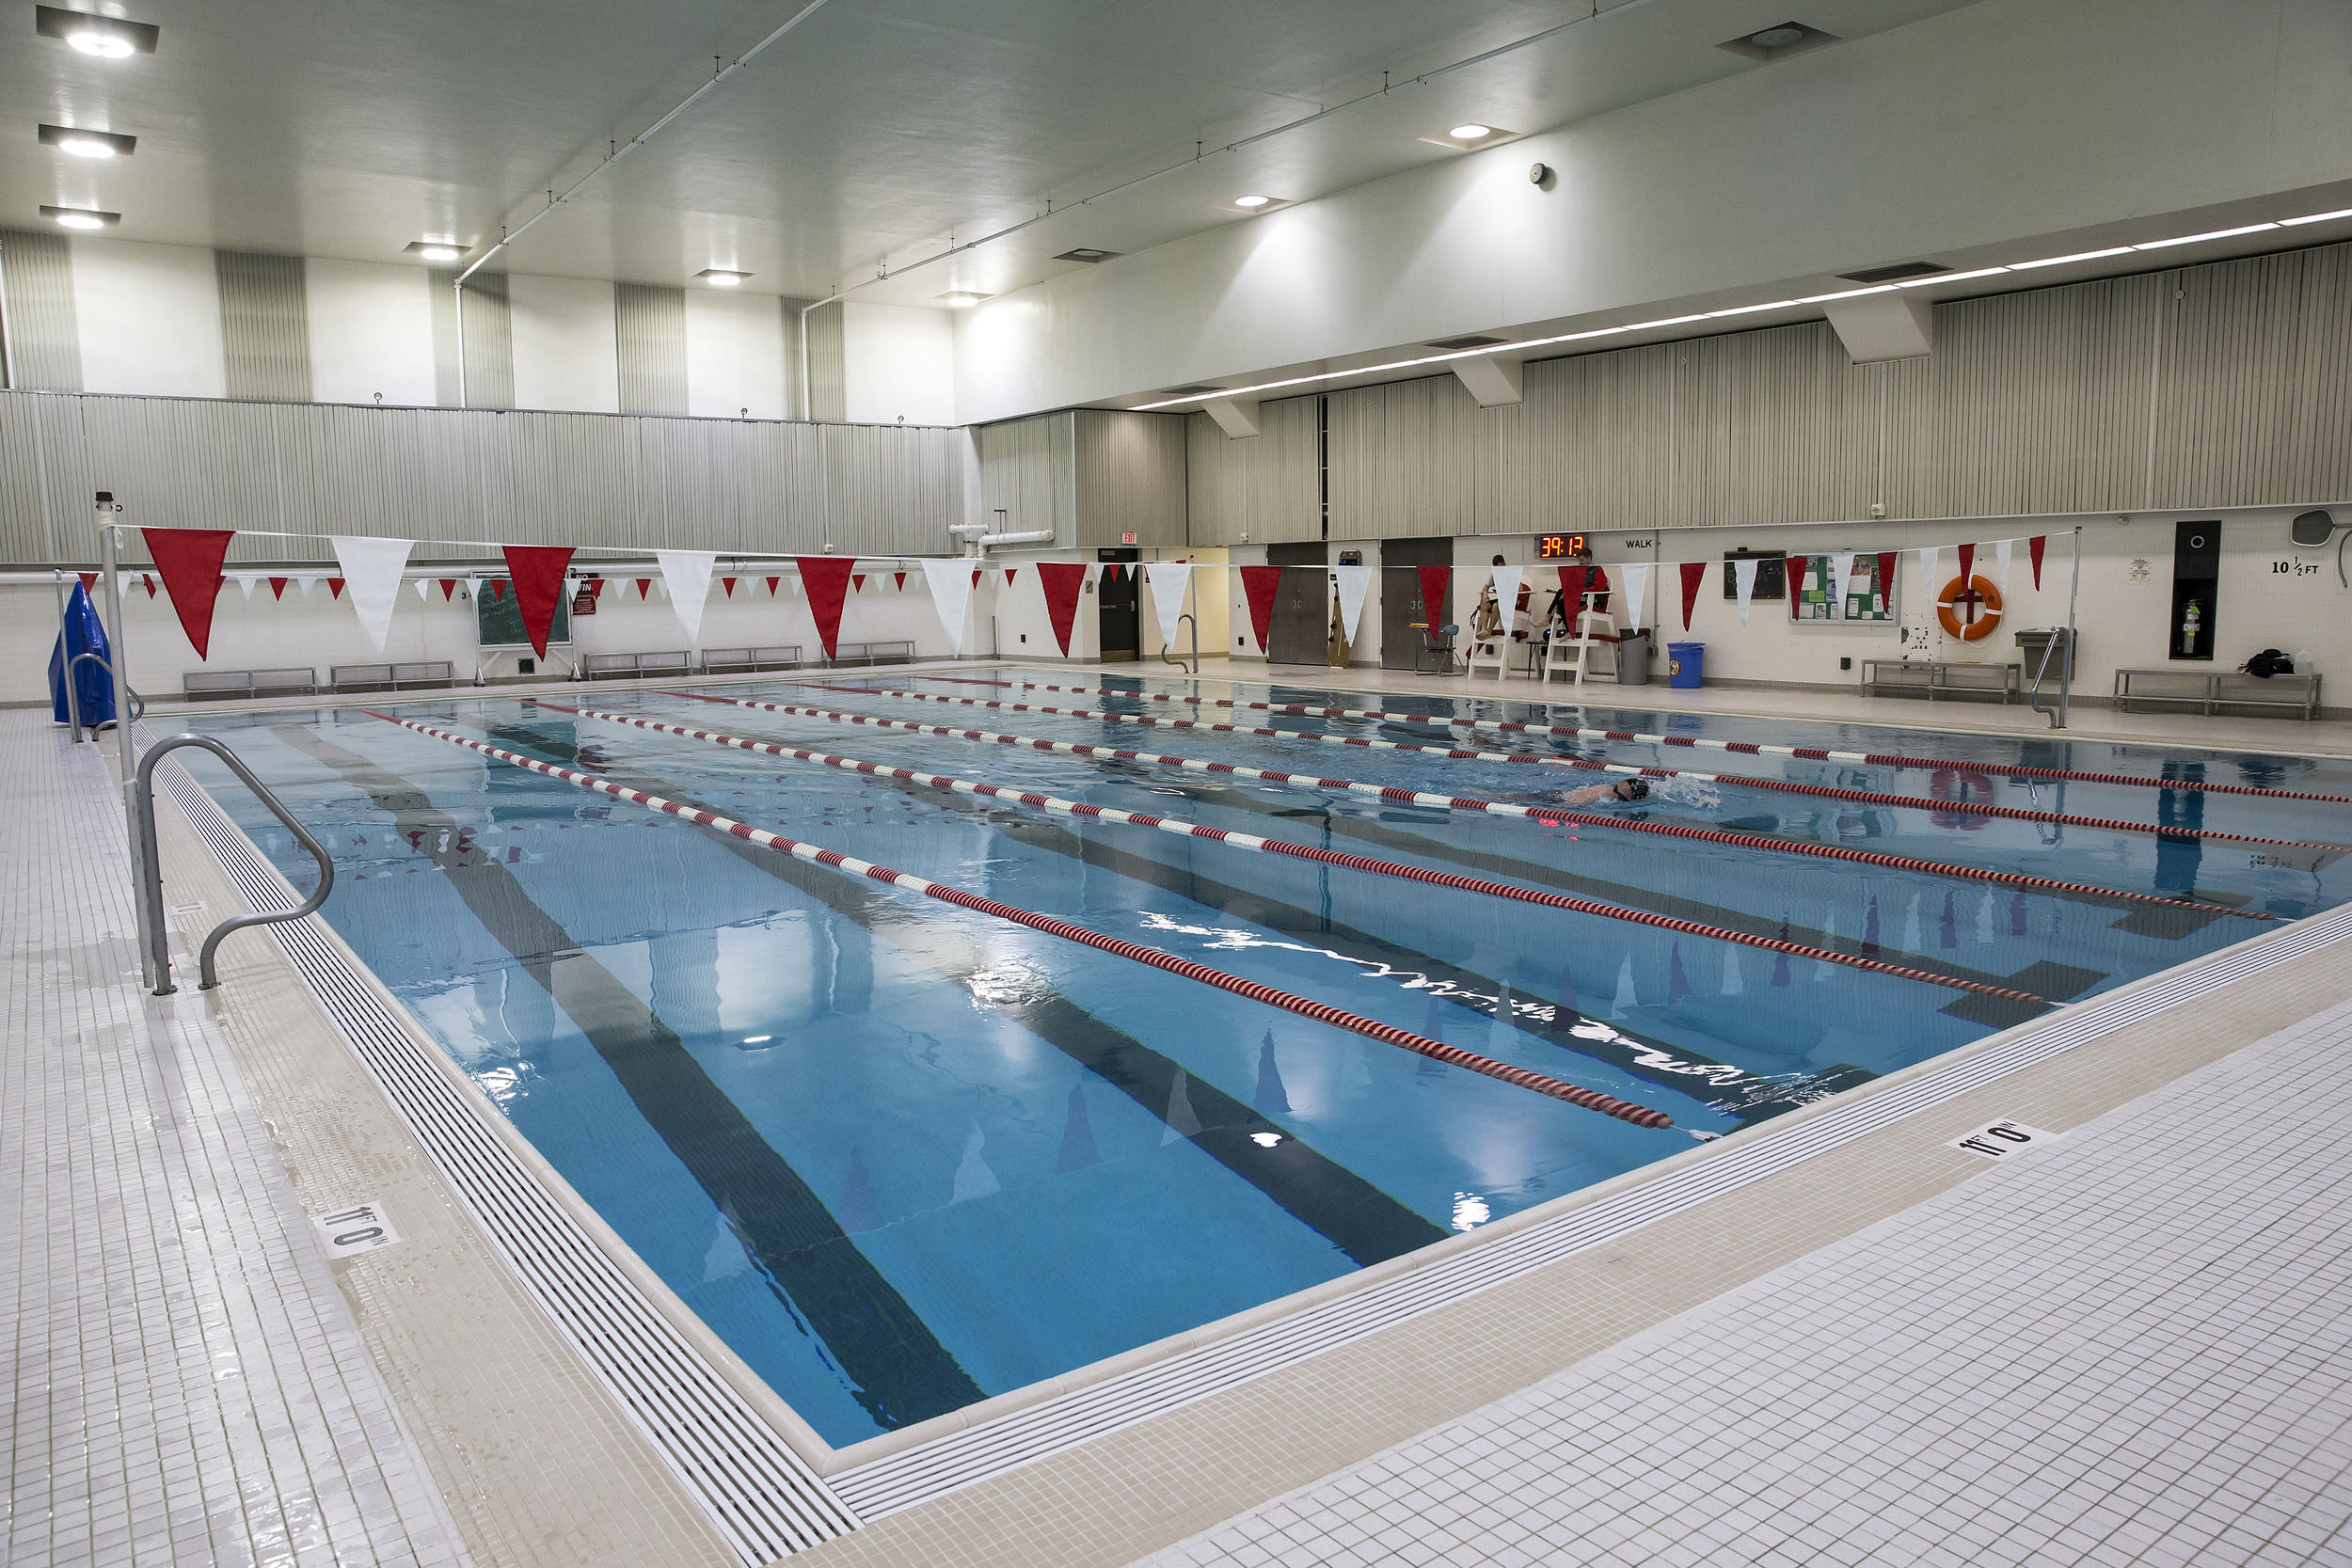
1748 748
1055 805
1590 1099
1786 787
1542 815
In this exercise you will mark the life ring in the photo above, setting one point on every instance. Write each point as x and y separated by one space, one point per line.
1964 791
1984 615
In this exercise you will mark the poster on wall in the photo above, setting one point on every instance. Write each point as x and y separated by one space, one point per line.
1813 594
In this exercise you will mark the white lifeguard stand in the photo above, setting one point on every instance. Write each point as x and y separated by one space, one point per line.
1595 630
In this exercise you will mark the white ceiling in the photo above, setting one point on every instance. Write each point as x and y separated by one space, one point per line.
867 138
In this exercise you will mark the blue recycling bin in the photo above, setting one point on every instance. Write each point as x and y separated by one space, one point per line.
1685 662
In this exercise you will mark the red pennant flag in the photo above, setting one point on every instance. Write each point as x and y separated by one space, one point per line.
827 580
1433 592
90 582
1967 565
190 558
772 586
448 589
1886 577
1062 581
595 588
976 576
538 574
1693 574
899 579
730 586
644 588
498 588
277 587
1259 585
2034 546
857 582
1010 572
335 587
1572 592
149 583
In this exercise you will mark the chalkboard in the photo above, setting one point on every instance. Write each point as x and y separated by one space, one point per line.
498 620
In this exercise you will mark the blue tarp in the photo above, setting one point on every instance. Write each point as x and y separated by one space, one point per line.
93 687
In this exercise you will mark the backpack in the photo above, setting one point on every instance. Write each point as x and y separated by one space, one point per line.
2269 662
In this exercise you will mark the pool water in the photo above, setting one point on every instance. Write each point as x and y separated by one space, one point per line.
902 1156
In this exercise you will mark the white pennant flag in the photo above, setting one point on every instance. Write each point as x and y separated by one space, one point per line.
1168 579
1636 591
1506 580
305 581
2000 562
246 583
1840 580
687 575
951 596
424 589
372 569
1927 554
473 589
1354 583
1743 577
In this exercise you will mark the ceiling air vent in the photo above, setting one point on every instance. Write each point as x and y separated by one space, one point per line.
1894 274
1474 341
1778 42
1187 391
1086 253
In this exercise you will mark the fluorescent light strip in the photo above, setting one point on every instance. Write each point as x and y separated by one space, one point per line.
1525 343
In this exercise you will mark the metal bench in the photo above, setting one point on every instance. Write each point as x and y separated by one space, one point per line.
1939 677
873 653
347 677
717 661
597 666
2214 690
284 681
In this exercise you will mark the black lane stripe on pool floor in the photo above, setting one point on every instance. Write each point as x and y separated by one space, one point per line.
1355 1215
899 1370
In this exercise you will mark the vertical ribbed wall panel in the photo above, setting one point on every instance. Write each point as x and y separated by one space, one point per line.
1413 458
1130 477
1598 440
1028 469
1261 489
488 361
264 325
650 325
795 394
828 363
2255 405
456 474
36 291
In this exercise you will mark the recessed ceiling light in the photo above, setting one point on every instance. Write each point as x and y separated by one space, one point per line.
80 143
959 298
80 218
723 278
106 38
1251 201
1778 42
1086 253
1469 133
434 250
1776 37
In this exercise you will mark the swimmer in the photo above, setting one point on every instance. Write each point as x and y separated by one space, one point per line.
1595 794
1679 792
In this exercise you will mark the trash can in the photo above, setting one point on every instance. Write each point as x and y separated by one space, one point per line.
2051 642
1633 651
1684 663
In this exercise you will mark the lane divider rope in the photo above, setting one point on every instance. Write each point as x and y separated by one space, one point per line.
1787 786
1548 817
1038 801
1748 748
1590 1099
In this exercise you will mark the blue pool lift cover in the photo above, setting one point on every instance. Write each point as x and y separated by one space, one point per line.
93 688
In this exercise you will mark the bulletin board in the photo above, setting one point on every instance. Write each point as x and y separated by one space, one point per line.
1868 601
498 620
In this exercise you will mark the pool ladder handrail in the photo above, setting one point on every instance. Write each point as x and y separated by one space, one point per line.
157 935
73 697
2033 698
1195 667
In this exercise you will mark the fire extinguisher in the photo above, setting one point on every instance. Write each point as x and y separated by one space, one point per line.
2189 625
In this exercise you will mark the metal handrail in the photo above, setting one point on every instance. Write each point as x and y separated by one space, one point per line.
2033 697
73 706
1195 669
151 866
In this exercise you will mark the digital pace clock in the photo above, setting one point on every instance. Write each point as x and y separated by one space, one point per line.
1559 547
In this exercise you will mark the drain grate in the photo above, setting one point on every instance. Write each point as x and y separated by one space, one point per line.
763 1498
900 1481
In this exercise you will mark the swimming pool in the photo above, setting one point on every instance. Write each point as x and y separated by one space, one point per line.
902 1155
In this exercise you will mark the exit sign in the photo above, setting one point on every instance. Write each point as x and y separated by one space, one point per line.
1126 538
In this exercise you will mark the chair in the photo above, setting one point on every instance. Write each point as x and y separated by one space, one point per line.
1435 643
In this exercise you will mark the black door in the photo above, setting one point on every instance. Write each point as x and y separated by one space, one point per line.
1400 597
1118 608
1301 630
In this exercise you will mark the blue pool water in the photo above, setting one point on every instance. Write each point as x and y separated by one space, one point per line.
902 1156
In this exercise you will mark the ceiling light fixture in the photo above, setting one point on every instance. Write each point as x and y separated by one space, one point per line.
1086 253
2194 239
79 143
434 250
80 218
2316 217
1470 132
104 38
1777 38
2079 256
1250 204
723 278
959 299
